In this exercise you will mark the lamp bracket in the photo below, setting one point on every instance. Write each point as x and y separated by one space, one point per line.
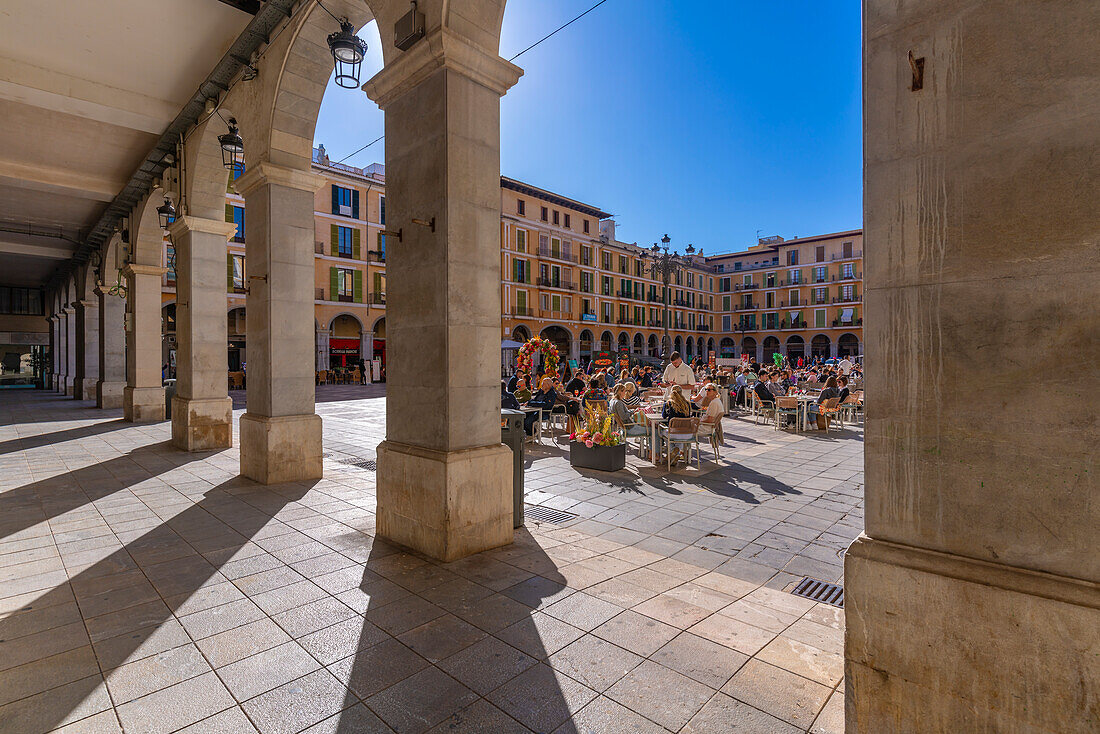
425 223
391 233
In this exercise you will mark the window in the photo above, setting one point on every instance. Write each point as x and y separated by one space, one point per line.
792 257
238 219
794 276
607 313
170 263
585 224
521 303
521 240
586 282
792 298
545 214
555 247
521 207
21 301
586 255
586 306
236 273
567 221
747 280
819 318
557 216
820 274
345 280
737 266
381 247
344 241
821 295
769 280
769 300
723 285
819 254
624 265
847 249
606 286
847 293
847 270
382 210
607 261
725 303
345 201
520 273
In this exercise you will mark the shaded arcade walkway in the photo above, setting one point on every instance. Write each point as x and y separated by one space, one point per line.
143 589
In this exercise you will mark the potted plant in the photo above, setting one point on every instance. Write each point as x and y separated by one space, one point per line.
598 445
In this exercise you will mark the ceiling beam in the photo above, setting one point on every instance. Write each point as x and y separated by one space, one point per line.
249 6
60 181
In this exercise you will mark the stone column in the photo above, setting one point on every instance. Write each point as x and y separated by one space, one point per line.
112 350
973 599
575 350
444 478
143 396
55 354
87 349
280 432
202 411
832 348
322 348
69 320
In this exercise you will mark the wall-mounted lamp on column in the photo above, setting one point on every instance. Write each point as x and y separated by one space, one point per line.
166 213
232 147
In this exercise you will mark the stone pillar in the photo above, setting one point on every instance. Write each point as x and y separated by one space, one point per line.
202 411
69 320
143 396
322 348
973 599
575 350
444 478
112 350
87 349
280 432
832 348
55 347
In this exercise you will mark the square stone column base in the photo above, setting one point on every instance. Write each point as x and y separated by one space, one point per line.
202 424
109 394
70 383
85 388
445 504
937 642
143 404
280 449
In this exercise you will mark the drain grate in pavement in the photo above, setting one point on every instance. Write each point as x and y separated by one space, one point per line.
547 514
366 464
820 591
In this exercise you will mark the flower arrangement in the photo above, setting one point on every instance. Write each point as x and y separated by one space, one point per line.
598 429
526 353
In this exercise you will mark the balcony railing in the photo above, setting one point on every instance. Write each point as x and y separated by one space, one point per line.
746 306
784 283
318 294
702 327
522 311
792 304
377 256
842 256
559 283
792 325
563 255
746 286
854 298
378 298
552 315
837 323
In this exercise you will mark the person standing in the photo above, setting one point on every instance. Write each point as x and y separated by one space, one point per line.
678 373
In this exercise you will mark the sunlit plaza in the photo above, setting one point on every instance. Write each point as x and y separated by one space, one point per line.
343 391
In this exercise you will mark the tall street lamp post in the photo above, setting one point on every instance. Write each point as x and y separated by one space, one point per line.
659 262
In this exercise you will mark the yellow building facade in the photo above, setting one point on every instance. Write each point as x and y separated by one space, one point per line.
566 277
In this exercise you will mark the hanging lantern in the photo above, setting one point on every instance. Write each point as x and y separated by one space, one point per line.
232 148
167 213
347 54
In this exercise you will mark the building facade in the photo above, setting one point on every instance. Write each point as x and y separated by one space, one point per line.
566 277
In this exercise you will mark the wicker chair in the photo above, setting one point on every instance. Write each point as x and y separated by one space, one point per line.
828 409
763 409
683 432
786 407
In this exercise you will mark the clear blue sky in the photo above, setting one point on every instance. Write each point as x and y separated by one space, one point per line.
708 122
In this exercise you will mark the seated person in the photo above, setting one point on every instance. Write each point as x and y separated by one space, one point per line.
646 380
507 400
597 390
576 386
711 402
842 388
521 392
633 400
676 406
512 381
620 410
763 394
572 405
545 399
829 391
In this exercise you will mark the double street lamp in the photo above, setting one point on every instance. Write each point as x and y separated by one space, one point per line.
662 264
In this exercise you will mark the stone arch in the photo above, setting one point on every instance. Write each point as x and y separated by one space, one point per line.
606 340
235 322
348 315
690 346
710 345
726 348
586 341
146 235
678 345
521 334
796 346
623 342
379 328
771 346
639 345
748 346
847 345
819 346
652 345
560 336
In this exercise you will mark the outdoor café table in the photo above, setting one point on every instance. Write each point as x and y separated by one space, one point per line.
804 409
538 423
654 420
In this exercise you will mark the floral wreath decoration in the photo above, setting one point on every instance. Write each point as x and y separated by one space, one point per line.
525 356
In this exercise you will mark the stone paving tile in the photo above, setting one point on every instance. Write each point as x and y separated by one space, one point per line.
181 568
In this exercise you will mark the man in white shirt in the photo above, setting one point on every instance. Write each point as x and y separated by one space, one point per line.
845 366
678 373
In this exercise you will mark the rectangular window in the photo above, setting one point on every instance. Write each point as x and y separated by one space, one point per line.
586 256
725 303
847 249
21 301
555 247
382 210
792 298
723 285
519 271
345 239
737 266
794 276
586 282
238 219
345 280
607 286
585 223
521 240
545 214
819 254
567 221
607 261
792 257
847 292
819 318
607 313
555 303
521 303
586 306
521 207
769 280
238 272
557 216
821 295
848 270
820 274
769 300
342 201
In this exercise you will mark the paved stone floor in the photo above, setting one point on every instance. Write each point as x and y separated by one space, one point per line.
147 590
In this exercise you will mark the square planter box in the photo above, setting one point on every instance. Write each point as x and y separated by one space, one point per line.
601 458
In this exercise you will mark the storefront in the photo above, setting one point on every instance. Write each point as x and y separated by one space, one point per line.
237 354
21 364
343 352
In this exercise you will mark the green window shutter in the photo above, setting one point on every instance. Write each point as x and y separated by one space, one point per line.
229 183
334 284
334 237
229 212
229 273
378 283
819 318
357 284
356 242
